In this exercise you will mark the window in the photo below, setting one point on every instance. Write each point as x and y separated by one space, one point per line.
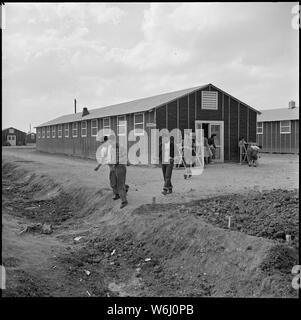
53 131
32 136
84 128
285 127
11 130
121 126
259 128
39 133
139 124
59 131
94 128
209 100
48 132
43 132
74 129
106 124
66 130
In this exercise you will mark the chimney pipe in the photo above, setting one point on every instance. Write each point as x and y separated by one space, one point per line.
292 105
74 105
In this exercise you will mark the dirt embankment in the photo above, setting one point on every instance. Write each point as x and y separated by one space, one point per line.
155 250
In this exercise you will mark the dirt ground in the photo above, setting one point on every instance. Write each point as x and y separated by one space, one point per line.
179 246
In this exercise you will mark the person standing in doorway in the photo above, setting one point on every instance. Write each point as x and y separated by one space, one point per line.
166 157
212 146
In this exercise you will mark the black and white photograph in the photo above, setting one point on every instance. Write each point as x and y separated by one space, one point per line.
150 150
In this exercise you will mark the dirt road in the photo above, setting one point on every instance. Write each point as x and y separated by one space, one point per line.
147 250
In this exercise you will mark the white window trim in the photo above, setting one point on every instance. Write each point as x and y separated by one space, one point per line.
96 127
48 132
121 125
216 93
53 131
39 133
103 121
59 131
261 127
84 135
43 133
138 133
76 128
66 128
289 126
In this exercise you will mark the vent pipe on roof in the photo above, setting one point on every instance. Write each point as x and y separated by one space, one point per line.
74 105
292 104
85 112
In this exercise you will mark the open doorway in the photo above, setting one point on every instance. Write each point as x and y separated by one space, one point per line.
217 128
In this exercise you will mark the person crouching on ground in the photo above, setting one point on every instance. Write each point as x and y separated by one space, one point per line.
166 157
110 153
252 153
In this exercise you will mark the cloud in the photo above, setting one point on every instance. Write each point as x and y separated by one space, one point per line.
108 53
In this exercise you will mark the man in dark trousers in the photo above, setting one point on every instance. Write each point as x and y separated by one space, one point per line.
166 157
113 154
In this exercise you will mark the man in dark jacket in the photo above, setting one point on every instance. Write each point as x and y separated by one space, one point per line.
166 157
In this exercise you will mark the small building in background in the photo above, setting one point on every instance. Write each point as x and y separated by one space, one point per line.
278 129
30 138
13 137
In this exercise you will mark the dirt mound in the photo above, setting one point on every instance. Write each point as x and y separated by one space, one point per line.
175 254
270 214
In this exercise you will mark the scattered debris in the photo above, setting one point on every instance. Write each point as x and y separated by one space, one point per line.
88 293
147 259
87 272
77 238
113 252
38 228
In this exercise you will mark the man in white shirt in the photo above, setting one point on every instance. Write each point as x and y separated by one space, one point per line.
114 155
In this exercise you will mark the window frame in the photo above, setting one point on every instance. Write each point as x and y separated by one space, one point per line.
103 122
288 126
76 124
95 127
43 133
258 127
66 128
48 132
53 132
60 131
135 123
86 128
39 133
202 106
121 125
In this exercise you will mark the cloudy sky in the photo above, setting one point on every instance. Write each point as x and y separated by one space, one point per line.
103 54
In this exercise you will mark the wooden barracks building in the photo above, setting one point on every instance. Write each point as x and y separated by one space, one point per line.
278 130
206 107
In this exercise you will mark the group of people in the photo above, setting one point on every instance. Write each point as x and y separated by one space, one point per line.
110 153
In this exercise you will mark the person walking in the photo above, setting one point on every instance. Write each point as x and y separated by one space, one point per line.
112 154
166 157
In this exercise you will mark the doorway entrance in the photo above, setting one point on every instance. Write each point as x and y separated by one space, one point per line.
214 127
11 138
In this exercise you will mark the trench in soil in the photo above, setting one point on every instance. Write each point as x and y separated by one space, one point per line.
154 250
